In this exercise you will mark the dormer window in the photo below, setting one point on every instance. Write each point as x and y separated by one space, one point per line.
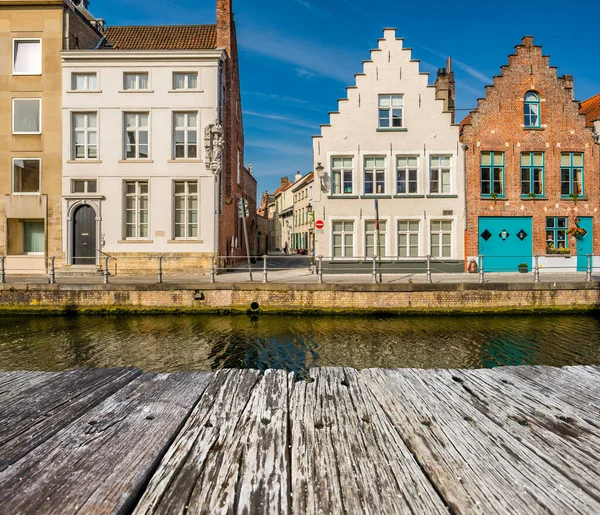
532 109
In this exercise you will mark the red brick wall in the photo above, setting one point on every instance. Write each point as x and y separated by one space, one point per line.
497 125
233 142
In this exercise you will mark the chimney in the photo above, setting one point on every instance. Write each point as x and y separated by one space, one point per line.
444 87
298 176
224 24
284 181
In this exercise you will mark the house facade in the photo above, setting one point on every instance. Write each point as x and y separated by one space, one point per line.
153 148
32 35
392 146
532 170
303 213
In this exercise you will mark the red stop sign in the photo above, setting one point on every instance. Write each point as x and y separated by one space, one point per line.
319 224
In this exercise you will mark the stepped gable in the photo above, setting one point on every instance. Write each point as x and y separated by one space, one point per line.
382 60
165 37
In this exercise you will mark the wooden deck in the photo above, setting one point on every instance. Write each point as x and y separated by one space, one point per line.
508 440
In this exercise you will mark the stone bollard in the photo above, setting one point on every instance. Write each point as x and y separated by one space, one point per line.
52 271
2 271
536 270
320 269
588 274
106 270
212 269
481 274
374 270
429 268
265 277
160 269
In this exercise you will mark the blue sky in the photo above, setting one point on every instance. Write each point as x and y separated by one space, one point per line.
298 56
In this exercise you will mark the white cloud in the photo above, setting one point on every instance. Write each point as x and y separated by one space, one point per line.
305 74
283 119
471 71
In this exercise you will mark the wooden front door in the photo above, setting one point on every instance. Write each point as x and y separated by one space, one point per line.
84 236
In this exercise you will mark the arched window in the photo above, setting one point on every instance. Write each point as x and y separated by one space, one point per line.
532 109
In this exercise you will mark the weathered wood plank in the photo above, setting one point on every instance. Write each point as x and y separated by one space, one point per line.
475 464
101 462
13 383
546 426
35 414
347 456
201 471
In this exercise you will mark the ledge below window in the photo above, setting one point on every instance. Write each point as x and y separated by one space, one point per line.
183 160
136 91
527 197
568 197
135 241
409 195
186 241
336 197
135 161
442 195
488 197
392 129
376 196
84 161
543 127
185 91
84 91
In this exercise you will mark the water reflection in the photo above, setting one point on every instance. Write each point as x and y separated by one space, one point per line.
295 343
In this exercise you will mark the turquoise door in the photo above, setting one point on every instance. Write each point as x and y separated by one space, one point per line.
584 244
505 242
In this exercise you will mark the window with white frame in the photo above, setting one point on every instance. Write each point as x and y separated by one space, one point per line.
27 116
27 176
136 209
136 136
407 175
33 237
341 175
186 135
27 56
186 209
84 186
185 80
391 111
84 81
440 171
135 81
441 238
408 238
85 136
374 175
372 248
343 239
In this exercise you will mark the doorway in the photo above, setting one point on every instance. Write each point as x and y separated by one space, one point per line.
84 236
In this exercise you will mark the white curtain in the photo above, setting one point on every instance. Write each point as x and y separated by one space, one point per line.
28 57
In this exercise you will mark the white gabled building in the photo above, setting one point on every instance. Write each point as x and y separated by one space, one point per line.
393 139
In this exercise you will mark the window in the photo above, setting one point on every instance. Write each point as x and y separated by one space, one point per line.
532 109
136 209
571 174
185 81
341 173
374 175
27 176
408 238
343 239
439 175
492 174
33 237
85 136
27 56
27 116
390 111
556 233
84 186
186 209
406 175
133 81
84 81
186 135
136 136
532 173
371 248
441 238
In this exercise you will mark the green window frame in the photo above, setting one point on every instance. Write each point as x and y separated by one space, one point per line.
532 174
531 110
571 174
492 174
556 233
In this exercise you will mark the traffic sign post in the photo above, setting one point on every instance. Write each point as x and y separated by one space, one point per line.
243 213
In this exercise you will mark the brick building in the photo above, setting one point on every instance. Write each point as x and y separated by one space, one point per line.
532 170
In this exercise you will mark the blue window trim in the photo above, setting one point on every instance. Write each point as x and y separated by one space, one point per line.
531 168
527 103
572 169
491 166
554 230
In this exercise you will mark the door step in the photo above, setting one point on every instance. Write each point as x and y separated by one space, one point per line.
79 271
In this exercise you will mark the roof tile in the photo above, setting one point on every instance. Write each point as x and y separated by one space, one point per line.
165 37
591 109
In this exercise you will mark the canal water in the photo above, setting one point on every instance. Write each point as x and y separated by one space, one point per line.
295 343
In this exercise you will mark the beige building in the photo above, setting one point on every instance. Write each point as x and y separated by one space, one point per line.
303 214
393 142
32 35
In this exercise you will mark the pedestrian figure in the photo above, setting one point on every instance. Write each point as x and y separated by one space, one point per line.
285 248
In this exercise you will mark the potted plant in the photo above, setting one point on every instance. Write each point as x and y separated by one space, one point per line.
574 197
523 268
532 195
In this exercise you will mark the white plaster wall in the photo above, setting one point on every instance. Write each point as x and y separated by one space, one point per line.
353 132
111 170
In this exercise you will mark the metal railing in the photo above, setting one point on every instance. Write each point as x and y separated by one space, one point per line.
296 268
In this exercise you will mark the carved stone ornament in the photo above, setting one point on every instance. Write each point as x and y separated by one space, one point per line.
213 146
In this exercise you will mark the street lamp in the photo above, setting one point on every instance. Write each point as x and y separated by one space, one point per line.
320 174
311 227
